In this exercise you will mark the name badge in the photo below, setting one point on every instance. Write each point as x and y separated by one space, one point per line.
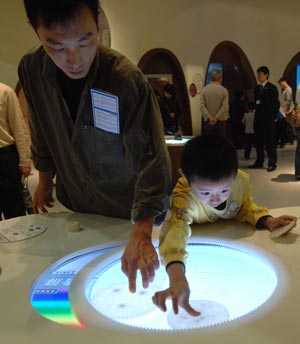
105 111
258 102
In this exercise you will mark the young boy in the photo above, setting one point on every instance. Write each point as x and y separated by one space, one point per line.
212 188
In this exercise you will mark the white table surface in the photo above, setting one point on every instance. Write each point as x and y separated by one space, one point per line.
23 261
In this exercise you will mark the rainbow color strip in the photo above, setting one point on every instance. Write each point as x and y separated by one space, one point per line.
50 292
55 305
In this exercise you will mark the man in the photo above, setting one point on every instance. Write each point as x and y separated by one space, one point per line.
284 131
267 106
95 122
14 154
287 107
287 96
170 110
214 105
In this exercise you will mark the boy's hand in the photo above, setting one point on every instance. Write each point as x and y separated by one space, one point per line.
272 223
178 291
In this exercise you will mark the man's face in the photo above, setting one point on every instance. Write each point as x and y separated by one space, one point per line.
72 47
261 77
212 193
283 85
168 95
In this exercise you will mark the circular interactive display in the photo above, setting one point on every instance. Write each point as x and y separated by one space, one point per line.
221 278
227 282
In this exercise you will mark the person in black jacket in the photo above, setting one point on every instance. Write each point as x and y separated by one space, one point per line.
267 106
170 110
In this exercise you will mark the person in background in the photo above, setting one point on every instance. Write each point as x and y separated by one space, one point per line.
248 121
170 110
237 109
214 105
95 121
266 110
212 189
14 154
286 108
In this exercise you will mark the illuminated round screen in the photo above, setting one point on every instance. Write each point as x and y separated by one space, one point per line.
226 282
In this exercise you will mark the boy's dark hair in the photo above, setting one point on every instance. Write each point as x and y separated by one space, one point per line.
264 70
52 12
209 157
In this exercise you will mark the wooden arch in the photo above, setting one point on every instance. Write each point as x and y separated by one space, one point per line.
237 71
162 62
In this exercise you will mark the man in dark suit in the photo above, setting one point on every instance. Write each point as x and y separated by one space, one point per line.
267 107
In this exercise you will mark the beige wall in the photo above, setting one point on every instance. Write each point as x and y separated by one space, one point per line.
267 31
16 38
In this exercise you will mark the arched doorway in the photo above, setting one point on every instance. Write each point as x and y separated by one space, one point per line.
237 71
239 79
161 66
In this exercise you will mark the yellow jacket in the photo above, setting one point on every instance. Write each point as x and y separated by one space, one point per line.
186 209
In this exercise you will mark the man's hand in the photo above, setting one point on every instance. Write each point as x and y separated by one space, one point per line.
140 254
272 223
213 121
25 170
178 291
43 194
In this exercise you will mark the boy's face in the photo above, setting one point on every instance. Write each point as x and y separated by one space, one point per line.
212 193
72 47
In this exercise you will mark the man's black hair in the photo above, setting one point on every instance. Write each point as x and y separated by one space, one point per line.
53 12
282 79
264 70
209 157
169 88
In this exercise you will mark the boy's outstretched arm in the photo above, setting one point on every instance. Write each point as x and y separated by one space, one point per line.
272 223
178 291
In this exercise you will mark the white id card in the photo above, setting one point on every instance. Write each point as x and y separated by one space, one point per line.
105 111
